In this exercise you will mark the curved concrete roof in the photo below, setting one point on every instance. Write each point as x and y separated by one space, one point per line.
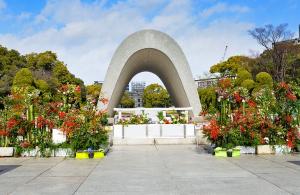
156 52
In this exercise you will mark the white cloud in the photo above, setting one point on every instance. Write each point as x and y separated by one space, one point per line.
223 7
2 4
86 36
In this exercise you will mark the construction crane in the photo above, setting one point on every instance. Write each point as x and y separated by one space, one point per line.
225 51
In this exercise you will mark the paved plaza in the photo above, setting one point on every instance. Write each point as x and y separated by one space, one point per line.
163 169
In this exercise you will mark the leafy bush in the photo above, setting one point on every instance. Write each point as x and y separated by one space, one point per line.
242 75
248 84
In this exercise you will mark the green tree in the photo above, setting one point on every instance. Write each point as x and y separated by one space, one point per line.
127 101
93 91
156 96
242 75
23 78
42 85
61 72
248 84
208 99
231 66
264 79
10 62
45 61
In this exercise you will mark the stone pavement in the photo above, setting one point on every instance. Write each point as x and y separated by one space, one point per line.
163 169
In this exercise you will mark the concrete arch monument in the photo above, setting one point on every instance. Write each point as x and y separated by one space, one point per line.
156 52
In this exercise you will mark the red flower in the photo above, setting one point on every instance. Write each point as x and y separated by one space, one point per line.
3 133
61 115
64 88
69 125
251 104
242 129
50 124
225 83
11 123
213 129
288 118
291 96
21 131
283 85
290 139
77 89
40 122
237 97
25 144
166 121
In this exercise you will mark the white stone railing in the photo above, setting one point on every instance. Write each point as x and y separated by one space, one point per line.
154 131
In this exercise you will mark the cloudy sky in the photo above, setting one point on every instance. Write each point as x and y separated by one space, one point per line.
85 33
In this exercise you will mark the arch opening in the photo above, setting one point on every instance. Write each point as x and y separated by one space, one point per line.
155 52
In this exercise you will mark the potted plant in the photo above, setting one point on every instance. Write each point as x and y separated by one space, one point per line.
236 152
220 152
229 153
99 154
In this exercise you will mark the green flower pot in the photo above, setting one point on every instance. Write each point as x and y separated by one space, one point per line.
220 152
236 152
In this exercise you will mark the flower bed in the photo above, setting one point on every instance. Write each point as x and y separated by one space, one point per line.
267 118
35 126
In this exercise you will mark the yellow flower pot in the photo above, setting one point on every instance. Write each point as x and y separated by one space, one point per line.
82 155
98 154
236 152
220 152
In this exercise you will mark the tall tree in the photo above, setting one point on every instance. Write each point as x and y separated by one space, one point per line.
156 96
127 101
275 40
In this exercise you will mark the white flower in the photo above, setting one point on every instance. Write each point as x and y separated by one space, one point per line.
266 139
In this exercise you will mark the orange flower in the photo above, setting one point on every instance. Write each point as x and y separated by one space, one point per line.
288 118
104 100
225 83
77 89
291 96
284 85
251 104
11 123
61 115
237 97
3 133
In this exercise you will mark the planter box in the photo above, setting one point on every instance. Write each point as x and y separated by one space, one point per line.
36 153
236 152
6 151
153 130
264 149
118 131
98 154
82 155
173 130
220 152
190 130
135 131
63 152
282 149
247 149
30 153
47 153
